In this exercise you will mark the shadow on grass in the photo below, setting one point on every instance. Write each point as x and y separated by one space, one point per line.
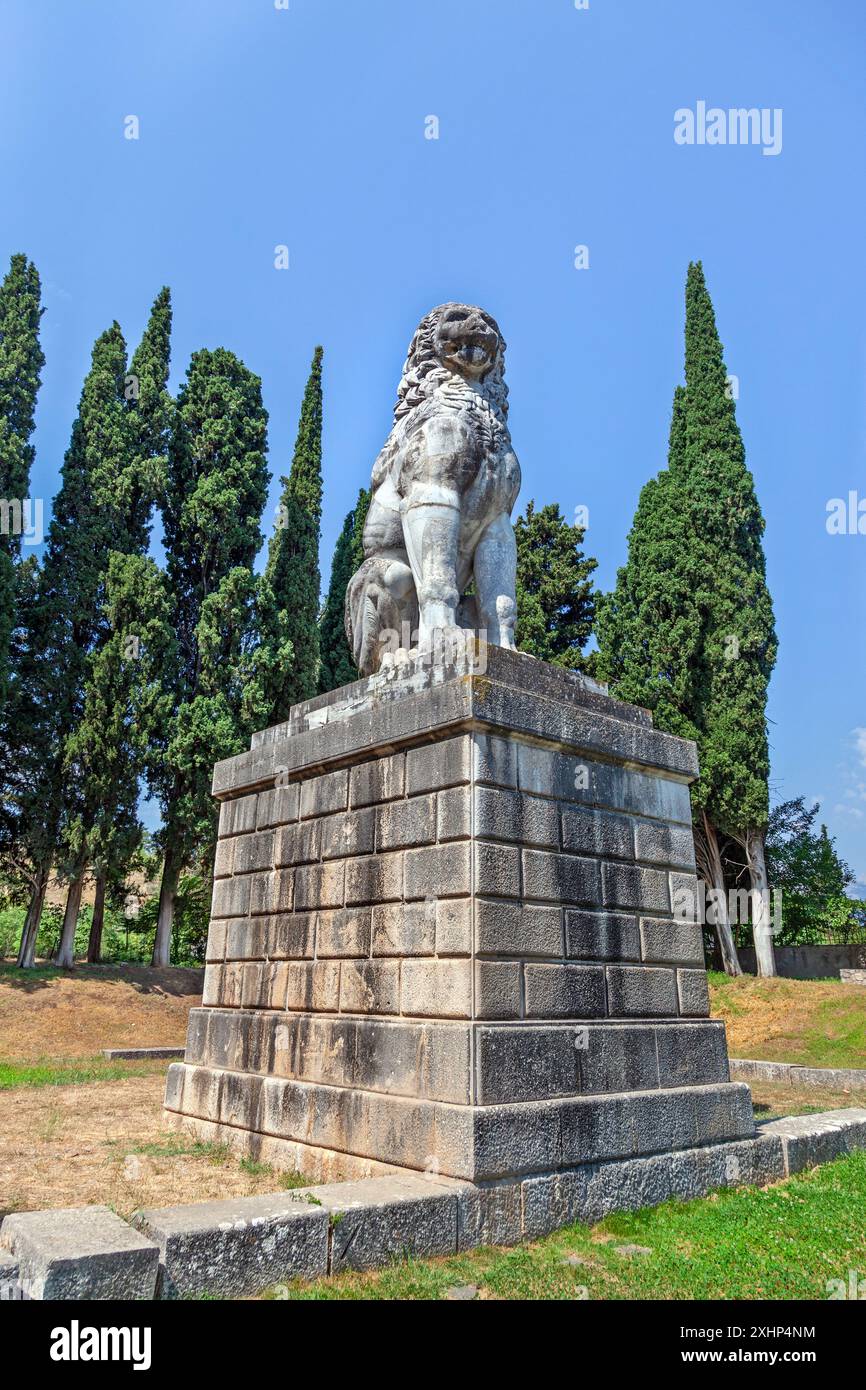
179 981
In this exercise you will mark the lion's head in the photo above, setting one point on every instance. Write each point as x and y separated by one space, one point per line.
454 340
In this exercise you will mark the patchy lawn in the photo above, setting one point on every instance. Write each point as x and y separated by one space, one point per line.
67 1146
49 1013
782 1242
817 1023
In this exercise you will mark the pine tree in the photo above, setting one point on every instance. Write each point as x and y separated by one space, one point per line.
555 599
286 664
336 665
21 363
216 487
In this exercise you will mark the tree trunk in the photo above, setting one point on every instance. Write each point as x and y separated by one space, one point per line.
66 950
716 879
94 945
165 917
762 925
27 949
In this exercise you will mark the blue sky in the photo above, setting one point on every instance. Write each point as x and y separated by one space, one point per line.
306 127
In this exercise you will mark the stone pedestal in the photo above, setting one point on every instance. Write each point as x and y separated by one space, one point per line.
447 935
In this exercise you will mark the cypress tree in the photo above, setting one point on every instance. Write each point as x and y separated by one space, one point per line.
555 600
126 704
286 665
336 665
740 647
21 363
216 487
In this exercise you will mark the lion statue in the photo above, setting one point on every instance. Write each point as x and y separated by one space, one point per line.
442 492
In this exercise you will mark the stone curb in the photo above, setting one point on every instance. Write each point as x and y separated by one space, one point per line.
746 1068
243 1245
142 1054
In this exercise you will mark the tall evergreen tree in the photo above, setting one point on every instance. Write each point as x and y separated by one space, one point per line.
688 630
21 363
286 664
336 666
126 705
555 599
740 647
216 488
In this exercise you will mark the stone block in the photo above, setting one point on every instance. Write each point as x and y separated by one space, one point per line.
497 989
238 816
436 988
659 843
346 932
515 817
691 1054
723 1112
488 1214
496 869
618 1059
405 824
513 1139
676 941
560 877
601 936
374 878
808 1140
685 898
376 1220
224 857
631 886
380 780
274 891
216 939
370 987
517 1064
404 929
298 844
80 1253
439 871
453 927
564 991
348 833
290 935
641 992
321 885
231 897
437 765
585 831
278 806
10 1286
494 760
322 795
517 929
694 994
453 818
254 852
238 1246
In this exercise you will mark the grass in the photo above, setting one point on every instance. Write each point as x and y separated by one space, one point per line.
815 1023
780 1242
68 1073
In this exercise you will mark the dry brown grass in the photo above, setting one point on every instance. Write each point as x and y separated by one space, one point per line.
819 1023
76 1013
67 1146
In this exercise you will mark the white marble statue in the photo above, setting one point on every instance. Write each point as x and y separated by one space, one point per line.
443 489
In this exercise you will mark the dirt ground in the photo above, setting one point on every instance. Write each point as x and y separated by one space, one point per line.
49 1014
67 1146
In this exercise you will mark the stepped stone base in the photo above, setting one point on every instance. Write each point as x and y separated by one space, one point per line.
454 931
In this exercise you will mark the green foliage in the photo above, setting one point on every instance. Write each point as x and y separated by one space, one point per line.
190 925
21 363
285 665
336 666
812 878
688 630
216 487
555 599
